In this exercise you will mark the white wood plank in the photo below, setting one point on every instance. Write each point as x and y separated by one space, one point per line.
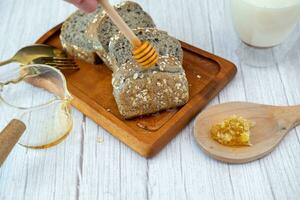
279 165
109 169
289 169
258 85
82 168
273 174
36 174
181 170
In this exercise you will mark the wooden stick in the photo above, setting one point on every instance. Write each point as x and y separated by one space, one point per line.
119 22
6 62
9 137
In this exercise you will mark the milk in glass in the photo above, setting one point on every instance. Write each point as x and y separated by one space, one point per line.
264 23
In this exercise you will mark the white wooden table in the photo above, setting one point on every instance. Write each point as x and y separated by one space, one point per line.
81 168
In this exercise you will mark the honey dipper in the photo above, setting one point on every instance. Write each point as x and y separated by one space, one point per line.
143 52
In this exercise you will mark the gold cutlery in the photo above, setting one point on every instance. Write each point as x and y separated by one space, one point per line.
57 62
26 54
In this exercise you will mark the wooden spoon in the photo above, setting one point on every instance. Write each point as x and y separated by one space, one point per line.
272 123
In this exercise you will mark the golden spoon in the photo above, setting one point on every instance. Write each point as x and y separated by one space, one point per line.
272 123
29 53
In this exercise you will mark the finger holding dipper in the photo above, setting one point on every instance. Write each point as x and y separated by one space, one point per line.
85 5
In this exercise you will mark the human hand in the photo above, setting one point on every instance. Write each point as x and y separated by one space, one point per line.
85 5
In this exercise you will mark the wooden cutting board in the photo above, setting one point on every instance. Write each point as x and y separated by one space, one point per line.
91 88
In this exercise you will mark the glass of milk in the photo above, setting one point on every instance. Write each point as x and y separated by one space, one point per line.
263 23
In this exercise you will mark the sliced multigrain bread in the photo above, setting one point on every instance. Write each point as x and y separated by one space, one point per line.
121 50
162 87
73 36
141 92
101 29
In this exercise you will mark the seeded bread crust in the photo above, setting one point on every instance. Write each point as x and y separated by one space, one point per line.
140 92
101 29
73 36
137 92
144 92
121 50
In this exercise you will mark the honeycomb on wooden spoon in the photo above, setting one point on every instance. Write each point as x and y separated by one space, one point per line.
233 131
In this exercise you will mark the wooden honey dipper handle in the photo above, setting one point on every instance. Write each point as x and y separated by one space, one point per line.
9 137
119 22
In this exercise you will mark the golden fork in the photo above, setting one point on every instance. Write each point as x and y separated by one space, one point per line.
26 54
42 54
57 62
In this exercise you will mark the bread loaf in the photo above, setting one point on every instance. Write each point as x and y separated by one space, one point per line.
140 92
102 29
137 91
74 39
121 49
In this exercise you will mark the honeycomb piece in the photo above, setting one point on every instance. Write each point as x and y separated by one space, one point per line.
233 131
